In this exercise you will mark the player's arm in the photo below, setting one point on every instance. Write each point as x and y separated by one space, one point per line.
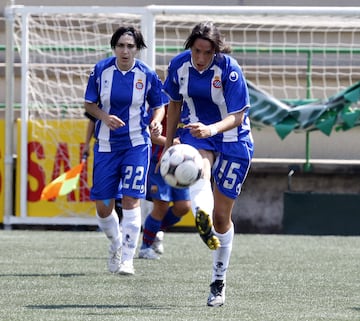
173 119
89 134
158 140
231 121
112 121
161 140
155 124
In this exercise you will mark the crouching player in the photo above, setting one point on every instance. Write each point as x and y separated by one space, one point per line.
169 203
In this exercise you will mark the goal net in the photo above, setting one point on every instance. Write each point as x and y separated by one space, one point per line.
290 54
57 49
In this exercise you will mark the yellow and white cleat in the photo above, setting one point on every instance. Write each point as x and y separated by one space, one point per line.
204 226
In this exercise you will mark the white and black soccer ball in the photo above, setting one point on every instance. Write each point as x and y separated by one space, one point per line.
181 165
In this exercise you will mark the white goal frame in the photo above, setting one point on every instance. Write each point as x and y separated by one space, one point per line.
148 26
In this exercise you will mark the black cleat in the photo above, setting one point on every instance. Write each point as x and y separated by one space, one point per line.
217 294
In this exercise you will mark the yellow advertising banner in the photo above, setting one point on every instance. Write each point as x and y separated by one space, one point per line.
55 146
2 168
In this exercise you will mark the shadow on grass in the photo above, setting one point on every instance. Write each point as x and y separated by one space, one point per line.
95 306
95 258
26 275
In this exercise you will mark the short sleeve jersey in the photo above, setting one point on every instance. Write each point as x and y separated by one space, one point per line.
211 95
127 95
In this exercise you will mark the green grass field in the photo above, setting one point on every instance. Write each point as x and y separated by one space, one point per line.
54 275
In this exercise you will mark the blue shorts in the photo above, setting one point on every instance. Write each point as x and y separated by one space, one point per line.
126 167
232 161
210 143
159 190
230 172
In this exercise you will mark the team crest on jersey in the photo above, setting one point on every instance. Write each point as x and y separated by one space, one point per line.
139 84
234 76
217 82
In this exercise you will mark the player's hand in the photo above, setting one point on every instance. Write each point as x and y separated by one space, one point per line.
199 130
176 141
156 128
86 151
113 122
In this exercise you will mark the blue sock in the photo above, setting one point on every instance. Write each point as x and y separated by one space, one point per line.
169 220
151 227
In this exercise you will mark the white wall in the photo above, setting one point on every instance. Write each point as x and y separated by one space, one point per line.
338 146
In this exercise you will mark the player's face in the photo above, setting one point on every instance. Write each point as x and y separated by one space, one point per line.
202 54
125 51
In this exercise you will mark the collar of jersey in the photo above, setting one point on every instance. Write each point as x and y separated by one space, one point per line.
124 71
202 71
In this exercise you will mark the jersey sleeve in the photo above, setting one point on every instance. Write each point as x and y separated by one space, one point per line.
236 92
92 90
171 84
155 95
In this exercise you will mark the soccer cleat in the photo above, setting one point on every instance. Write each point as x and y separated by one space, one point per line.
217 294
114 260
126 268
148 253
204 227
158 245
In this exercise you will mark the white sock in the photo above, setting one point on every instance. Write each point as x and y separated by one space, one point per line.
110 226
131 226
201 196
221 256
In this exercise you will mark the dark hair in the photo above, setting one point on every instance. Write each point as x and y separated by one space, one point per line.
207 31
138 37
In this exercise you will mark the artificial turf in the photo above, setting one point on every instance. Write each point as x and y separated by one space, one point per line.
62 276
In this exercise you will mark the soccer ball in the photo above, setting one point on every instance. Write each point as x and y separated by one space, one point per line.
181 165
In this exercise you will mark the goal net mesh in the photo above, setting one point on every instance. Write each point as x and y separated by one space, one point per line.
291 57
61 52
62 49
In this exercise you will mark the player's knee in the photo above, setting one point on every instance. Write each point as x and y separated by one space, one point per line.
181 210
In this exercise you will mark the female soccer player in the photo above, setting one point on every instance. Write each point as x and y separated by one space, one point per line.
208 94
118 93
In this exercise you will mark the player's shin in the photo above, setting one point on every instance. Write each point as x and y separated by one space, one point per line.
110 226
151 227
131 226
170 219
221 257
201 196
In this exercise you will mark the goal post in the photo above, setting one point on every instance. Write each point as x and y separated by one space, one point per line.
293 53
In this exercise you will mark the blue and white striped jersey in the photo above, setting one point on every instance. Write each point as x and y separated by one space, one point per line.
127 95
210 95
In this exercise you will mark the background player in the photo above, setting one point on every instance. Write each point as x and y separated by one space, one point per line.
163 215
